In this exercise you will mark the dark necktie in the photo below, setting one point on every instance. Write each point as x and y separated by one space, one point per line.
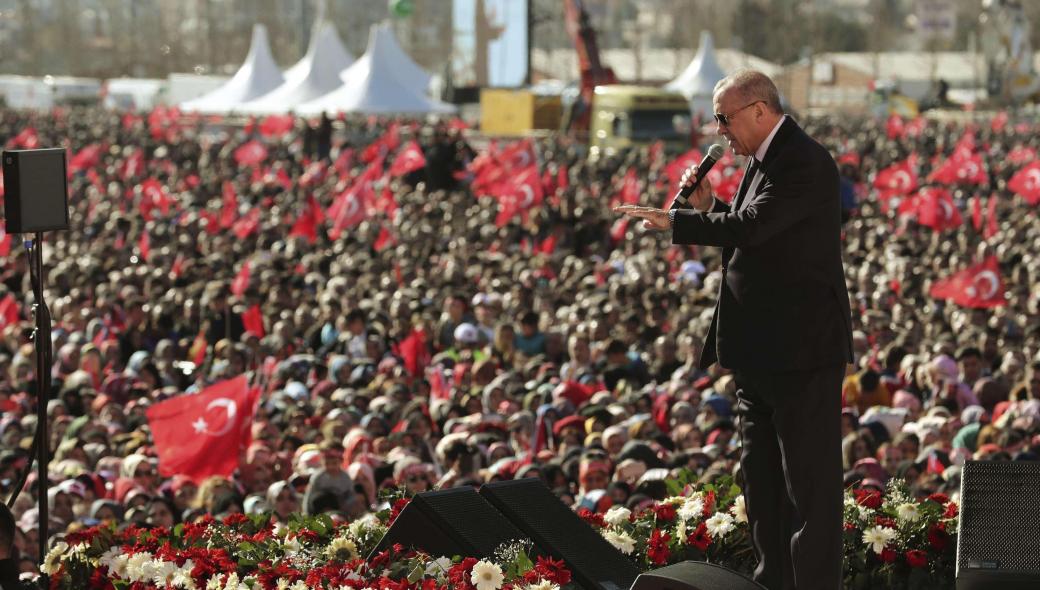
749 176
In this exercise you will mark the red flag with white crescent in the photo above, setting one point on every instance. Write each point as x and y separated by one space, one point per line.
979 286
1026 182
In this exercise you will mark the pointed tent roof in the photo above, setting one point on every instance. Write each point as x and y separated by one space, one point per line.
379 82
315 75
699 78
258 75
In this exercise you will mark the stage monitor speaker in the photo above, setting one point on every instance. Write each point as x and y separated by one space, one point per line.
558 532
36 191
998 544
694 575
450 522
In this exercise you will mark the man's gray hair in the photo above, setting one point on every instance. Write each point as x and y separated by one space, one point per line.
752 85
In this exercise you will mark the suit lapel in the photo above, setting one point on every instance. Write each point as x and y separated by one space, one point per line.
784 133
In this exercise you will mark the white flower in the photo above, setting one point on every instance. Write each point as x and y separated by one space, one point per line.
865 513
52 562
719 525
543 585
162 572
136 565
908 512
108 558
118 565
673 500
680 529
214 583
183 579
739 509
281 584
486 576
342 549
621 541
879 537
292 546
617 515
299 585
438 567
279 530
693 507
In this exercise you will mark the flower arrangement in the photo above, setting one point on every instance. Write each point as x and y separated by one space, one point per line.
891 540
253 553
894 541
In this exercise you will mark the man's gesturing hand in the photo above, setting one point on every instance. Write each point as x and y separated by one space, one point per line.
701 198
652 218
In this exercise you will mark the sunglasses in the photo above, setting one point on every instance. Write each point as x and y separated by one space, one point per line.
724 120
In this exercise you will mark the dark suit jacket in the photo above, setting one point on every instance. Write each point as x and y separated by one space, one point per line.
783 304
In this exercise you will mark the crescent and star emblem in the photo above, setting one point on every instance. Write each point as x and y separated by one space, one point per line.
990 278
202 427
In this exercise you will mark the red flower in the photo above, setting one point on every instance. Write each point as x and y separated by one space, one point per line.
592 518
888 555
939 498
396 509
664 512
951 510
553 570
885 521
709 503
459 574
658 549
869 498
917 558
937 536
850 526
307 535
235 519
700 538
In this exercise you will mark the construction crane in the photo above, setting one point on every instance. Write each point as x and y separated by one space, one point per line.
593 72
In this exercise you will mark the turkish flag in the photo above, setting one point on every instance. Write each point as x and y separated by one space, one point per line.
992 223
276 125
409 159
379 148
629 194
306 226
248 224
999 122
229 206
414 352
675 170
976 212
253 321
1021 154
87 157
9 314
134 164
26 139
900 177
241 282
961 168
518 155
201 435
384 239
250 153
617 231
199 346
894 127
935 209
976 286
144 245
1026 183
547 246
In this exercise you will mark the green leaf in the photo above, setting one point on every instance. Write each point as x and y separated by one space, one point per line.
523 563
416 574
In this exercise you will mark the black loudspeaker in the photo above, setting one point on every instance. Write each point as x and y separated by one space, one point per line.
560 533
449 523
694 575
35 190
998 544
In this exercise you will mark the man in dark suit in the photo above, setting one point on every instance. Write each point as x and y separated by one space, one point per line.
781 324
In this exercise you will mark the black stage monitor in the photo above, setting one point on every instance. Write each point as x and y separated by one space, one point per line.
35 190
557 531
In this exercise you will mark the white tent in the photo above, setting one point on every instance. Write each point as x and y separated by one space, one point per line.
381 81
257 76
697 82
315 75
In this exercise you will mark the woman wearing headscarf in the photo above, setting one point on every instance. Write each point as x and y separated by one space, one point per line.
283 500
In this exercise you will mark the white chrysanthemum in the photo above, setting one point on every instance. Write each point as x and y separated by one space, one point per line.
486 576
135 566
739 509
182 578
719 525
299 585
543 585
865 513
621 541
108 558
162 572
693 507
674 500
680 529
908 512
281 584
617 515
118 565
342 549
215 583
878 537
438 567
54 557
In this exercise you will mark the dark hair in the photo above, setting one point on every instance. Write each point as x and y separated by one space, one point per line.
969 351
323 501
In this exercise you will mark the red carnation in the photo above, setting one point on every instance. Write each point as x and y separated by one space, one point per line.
664 512
593 518
658 548
709 503
700 538
553 570
888 555
917 558
850 526
885 521
396 509
235 519
937 536
951 510
939 498
869 498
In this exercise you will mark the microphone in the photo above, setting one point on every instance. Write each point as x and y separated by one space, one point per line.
714 154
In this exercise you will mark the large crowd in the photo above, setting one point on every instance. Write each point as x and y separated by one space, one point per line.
429 346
